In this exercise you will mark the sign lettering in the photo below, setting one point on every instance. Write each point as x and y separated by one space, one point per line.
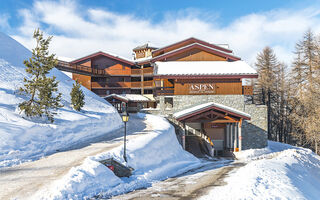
202 88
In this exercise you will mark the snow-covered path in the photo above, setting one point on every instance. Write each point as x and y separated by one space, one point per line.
189 185
24 180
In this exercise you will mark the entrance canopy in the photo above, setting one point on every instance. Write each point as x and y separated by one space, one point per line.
129 98
211 112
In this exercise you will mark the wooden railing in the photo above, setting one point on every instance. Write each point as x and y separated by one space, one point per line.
135 71
191 131
148 70
110 85
81 69
147 83
136 84
165 91
118 72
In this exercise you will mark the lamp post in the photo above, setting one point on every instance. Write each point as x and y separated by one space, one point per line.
125 119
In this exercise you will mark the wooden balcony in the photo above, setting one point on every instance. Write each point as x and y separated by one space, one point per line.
80 69
100 85
148 84
103 85
118 72
146 72
164 91
135 72
247 90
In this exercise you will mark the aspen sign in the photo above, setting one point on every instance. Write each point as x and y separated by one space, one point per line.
209 88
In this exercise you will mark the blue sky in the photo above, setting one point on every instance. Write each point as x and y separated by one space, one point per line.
119 26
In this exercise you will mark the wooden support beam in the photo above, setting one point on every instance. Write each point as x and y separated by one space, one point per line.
240 134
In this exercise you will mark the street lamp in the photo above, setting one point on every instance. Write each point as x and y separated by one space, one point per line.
125 119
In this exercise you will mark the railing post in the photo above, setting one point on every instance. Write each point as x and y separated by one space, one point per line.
184 136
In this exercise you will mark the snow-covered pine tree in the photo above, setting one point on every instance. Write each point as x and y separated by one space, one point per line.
77 97
41 89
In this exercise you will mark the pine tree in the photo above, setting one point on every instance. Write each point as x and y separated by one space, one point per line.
267 65
305 97
42 90
77 97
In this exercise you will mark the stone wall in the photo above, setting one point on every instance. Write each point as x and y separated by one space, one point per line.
254 131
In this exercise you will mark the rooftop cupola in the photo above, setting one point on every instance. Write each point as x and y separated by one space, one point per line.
143 51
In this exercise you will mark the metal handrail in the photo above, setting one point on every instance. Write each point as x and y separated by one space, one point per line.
191 130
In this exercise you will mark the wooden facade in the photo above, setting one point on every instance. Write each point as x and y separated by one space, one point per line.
105 74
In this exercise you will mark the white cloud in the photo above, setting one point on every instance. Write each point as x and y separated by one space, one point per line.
4 24
79 31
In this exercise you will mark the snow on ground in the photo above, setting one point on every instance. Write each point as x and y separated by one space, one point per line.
23 139
155 156
279 171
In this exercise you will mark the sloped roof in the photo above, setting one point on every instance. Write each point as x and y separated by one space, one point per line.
203 68
144 46
109 55
195 40
198 46
129 97
184 114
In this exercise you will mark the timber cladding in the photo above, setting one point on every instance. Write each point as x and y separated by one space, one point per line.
207 87
196 55
83 80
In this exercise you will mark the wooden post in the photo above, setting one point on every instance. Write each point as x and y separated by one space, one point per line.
184 136
142 77
240 135
234 130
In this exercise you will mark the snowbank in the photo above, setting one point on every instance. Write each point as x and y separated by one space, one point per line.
279 171
155 156
23 139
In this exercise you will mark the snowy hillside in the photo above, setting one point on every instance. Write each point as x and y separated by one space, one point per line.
22 139
155 155
279 171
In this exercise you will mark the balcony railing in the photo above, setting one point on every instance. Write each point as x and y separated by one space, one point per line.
138 72
81 69
148 70
146 84
135 71
118 72
96 85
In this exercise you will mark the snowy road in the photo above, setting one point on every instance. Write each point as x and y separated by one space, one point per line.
24 180
189 185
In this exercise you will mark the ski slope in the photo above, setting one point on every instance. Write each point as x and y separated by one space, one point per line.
23 139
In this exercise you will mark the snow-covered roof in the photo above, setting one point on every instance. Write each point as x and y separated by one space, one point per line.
130 97
203 68
204 106
145 46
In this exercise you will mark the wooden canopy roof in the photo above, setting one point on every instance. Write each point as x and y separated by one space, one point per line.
211 112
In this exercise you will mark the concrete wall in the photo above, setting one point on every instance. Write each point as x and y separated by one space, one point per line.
254 131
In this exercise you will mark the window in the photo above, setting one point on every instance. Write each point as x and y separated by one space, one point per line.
168 102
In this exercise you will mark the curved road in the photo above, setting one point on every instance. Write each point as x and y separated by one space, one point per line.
22 181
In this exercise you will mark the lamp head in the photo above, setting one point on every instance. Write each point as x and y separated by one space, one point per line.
125 116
